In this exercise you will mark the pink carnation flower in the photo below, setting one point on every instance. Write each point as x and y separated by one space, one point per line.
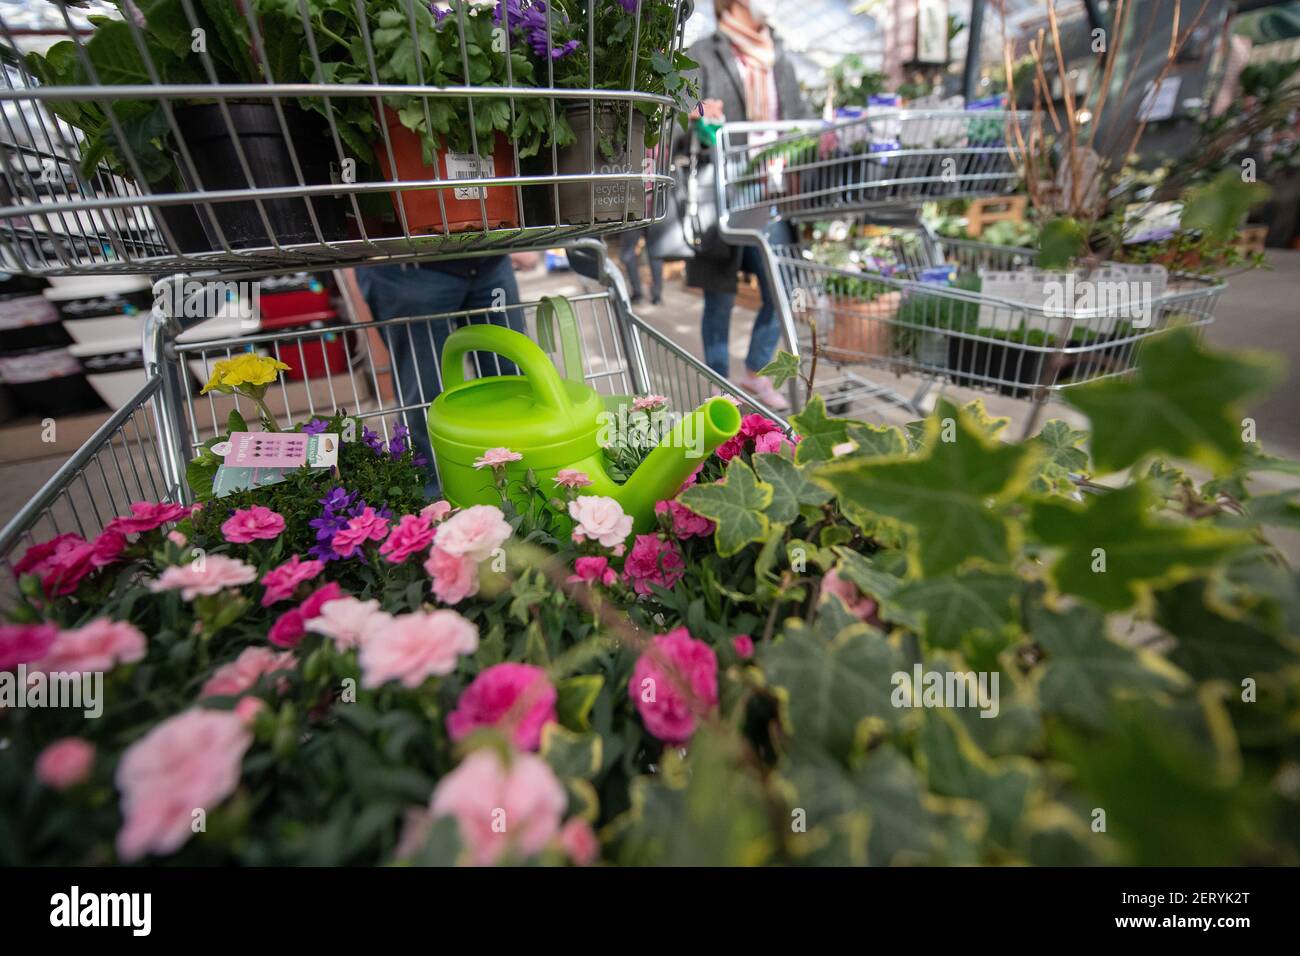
752 429
41 557
580 842
653 560
517 698
98 646
65 763
207 575
189 762
674 684
684 522
600 519
454 577
349 622
281 581
367 526
497 458
436 511
859 605
591 570
242 674
290 626
648 403
483 791
475 532
107 548
258 523
25 643
413 534
145 516
572 478
415 647
63 561
743 645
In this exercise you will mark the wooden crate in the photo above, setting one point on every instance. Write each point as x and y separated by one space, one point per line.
984 212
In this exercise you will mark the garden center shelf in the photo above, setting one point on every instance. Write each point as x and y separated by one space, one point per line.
142 451
263 137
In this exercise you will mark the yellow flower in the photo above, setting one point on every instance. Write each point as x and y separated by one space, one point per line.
246 369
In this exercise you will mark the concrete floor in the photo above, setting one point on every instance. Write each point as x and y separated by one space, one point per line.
1259 311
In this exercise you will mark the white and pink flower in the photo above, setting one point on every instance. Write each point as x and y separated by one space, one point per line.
415 647
599 519
210 574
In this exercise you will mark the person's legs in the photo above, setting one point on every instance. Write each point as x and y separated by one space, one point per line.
414 348
767 328
494 287
715 327
656 278
627 254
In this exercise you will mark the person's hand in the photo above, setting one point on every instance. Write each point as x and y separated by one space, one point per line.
525 261
712 110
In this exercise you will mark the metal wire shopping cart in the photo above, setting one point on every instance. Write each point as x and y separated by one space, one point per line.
209 188
893 304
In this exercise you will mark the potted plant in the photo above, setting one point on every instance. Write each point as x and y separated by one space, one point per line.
862 312
227 144
603 45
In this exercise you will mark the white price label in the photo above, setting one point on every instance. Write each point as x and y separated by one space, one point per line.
469 166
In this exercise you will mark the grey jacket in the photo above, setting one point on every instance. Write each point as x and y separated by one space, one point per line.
719 79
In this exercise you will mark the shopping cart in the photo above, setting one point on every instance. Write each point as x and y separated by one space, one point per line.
142 451
257 193
902 299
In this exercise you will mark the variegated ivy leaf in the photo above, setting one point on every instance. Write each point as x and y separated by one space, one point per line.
1062 456
949 497
1112 552
791 487
877 441
953 606
1213 647
1085 670
737 504
819 434
781 369
1184 401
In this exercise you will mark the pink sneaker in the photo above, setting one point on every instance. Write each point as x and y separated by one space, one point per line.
761 388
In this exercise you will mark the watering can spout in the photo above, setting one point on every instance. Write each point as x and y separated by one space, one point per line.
682 450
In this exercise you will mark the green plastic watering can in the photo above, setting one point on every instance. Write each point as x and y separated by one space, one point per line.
554 421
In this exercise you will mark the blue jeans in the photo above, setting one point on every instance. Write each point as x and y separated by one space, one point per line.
397 291
627 254
716 323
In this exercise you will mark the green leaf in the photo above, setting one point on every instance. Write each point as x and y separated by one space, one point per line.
819 434
570 754
951 607
1062 456
1085 669
781 369
1184 400
1213 647
235 422
1112 553
577 695
791 487
1219 207
736 503
1059 242
831 688
877 441
948 497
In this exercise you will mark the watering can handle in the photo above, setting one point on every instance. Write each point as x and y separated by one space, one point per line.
533 363
555 310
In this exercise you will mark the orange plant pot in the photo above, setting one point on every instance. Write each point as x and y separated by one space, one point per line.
862 330
464 207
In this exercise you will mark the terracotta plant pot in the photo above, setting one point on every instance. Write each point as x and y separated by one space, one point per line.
862 330
466 208
603 202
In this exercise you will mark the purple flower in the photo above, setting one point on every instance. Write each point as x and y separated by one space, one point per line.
439 14
372 439
629 5
531 21
337 499
315 427
397 446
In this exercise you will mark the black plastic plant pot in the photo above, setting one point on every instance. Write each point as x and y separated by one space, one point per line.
261 137
989 363
183 223
582 202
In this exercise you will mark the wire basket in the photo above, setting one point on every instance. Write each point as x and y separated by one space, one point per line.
891 157
1019 332
263 136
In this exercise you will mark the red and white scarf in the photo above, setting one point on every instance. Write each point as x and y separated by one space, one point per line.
756 55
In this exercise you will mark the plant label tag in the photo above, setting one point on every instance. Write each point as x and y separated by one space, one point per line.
282 450
469 166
